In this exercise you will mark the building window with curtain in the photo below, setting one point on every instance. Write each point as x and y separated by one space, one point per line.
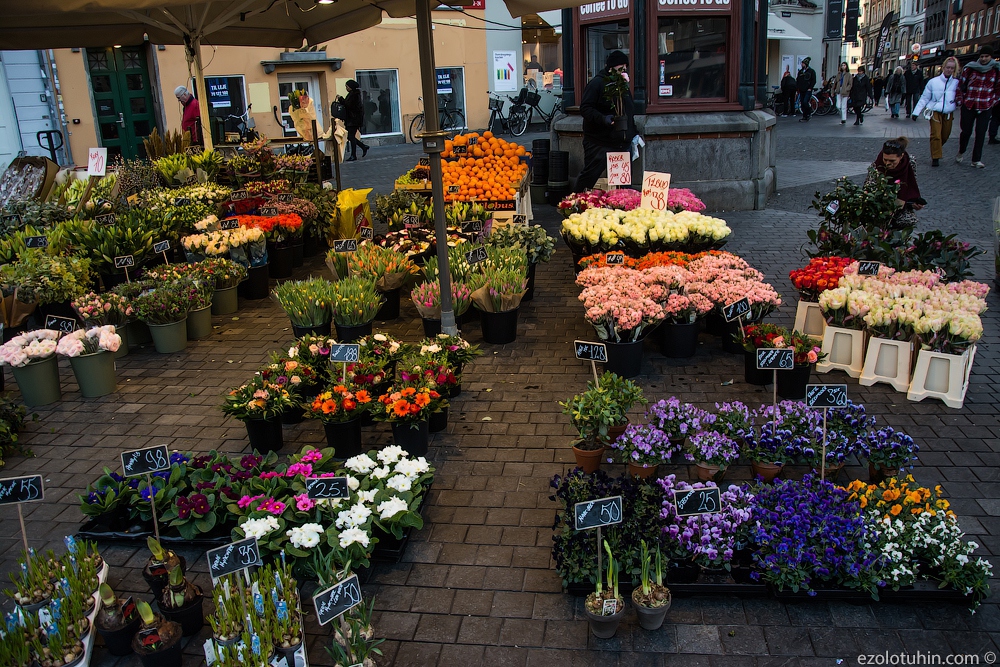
380 101
691 57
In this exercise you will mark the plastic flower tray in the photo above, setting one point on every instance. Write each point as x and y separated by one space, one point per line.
91 530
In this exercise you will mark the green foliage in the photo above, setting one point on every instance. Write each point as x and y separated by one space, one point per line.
602 406
308 303
533 239
131 234
44 278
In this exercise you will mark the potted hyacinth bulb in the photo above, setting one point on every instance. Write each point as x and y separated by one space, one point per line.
91 354
181 602
651 598
117 622
158 641
605 607
157 566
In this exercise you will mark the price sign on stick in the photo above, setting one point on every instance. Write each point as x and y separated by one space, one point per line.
145 462
776 358
826 395
229 223
345 245
476 256
97 161
17 490
597 514
472 227
238 195
736 309
61 324
619 168
614 258
423 162
367 233
36 242
233 557
866 268
284 197
337 599
124 261
698 501
655 187
592 352
345 353
327 487
162 246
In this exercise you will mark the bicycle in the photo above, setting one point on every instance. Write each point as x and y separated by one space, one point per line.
532 99
775 100
516 120
244 125
449 120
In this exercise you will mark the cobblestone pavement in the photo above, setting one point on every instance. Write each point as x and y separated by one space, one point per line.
477 584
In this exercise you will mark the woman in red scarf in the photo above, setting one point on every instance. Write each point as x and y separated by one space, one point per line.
895 163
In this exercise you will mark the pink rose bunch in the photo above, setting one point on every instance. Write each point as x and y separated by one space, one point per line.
625 199
682 199
28 347
89 341
99 309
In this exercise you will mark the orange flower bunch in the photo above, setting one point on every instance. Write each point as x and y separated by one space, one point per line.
340 404
408 403
490 169
650 260
286 222
899 497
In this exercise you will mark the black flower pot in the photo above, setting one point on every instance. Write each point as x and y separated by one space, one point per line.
499 328
438 421
191 616
298 255
715 324
256 286
792 384
731 339
468 317
413 440
61 309
112 280
624 359
280 261
682 572
119 642
678 341
293 415
264 434
752 374
530 292
344 437
167 656
390 306
157 582
319 330
431 327
349 334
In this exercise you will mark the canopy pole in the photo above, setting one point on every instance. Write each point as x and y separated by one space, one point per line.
433 140
203 101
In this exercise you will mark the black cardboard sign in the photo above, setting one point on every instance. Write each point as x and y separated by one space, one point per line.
345 353
776 358
162 246
519 219
148 460
238 195
424 162
590 351
476 255
10 220
327 487
124 261
410 221
21 489
62 324
826 395
181 201
345 245
736 309
268 211
36 242
698 501
460 150
868 268
595 513
472 227
106 219
367 233
233 557
454 189
229 223
284 197
337 599
614 258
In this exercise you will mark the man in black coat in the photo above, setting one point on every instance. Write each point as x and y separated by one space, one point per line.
914 86
804 83
599 133
355 109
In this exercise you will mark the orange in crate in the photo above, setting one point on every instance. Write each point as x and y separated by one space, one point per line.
490 169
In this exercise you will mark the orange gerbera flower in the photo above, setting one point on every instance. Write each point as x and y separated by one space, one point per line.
422 399
363 396
408 391
401 408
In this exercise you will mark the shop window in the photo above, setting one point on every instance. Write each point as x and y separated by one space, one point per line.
380 98
451 95
226 98
601 40
692 58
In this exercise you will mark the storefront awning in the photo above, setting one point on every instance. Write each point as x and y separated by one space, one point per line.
778 28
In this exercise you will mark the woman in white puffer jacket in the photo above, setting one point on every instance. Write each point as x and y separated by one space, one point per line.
938 103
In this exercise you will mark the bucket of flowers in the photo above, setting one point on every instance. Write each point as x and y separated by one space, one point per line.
408 409
32 356
91 353
340 408
259 404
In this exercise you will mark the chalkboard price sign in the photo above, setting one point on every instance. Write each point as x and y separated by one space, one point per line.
473 141
268 211
232 557
106 219
410 221
460 150
162 246
284 197
590 351
776 358
454 189
11 220
866 268
698 501
519 219
424 162
124 261
337 599
36 242
476 256
328 487
181 201
62 324
367 233
345 245
826 395
472 227
596 513
229 223
614 258
736 309
21 489
346 353
238 195
142 461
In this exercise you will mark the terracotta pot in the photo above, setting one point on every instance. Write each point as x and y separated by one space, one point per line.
766 471
878 474
615 431
709 473
588 459
640 471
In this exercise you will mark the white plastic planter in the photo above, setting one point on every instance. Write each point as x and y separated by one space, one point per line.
809 319
888 361
942 376
845 350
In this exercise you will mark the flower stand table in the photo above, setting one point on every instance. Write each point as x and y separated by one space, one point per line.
888 361
845 349
942 376
809 319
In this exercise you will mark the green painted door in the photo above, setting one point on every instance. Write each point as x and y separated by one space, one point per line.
123 98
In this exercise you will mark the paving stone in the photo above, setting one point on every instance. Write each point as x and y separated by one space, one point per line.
521 632
437 628
743 640
699 639
479 630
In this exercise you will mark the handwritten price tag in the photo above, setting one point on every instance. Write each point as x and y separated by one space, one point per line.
367 233
229 223
232 557
826 395
619 168
472 227
97 161
776 358
62 324
655 187
36 242
476 256
328 487
590 351
337 599
595 513
21 489
124 261
614 258
736 309
345 245
162 246
866 268
238 195
345 353
698 501
142 461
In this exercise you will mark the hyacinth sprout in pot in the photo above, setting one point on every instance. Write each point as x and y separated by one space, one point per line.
117 622
156 570
651 598
600 415
158 641
181 601
605 607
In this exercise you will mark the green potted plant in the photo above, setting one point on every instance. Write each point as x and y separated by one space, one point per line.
356 301
605 607
131 234
14 650
354 638
163 309
227 619
389 269
600 415
181 602
308 305
228 275
792 383
197 291
408 410
651 598
158 641
157 566
259 404
63 645
91 354
535 242
51 281
498 300
117 622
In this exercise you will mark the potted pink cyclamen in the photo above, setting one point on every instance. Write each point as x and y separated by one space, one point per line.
32 356
91 354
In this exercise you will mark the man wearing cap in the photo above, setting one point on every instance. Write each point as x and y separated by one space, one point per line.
804 83
598 110
978 91
191 115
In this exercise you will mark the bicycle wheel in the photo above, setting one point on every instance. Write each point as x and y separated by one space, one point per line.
416 127
813 104
518 122
453 121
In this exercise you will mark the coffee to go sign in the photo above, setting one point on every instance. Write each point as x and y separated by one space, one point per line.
694 4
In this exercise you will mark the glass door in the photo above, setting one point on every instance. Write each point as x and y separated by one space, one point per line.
123 99
307 82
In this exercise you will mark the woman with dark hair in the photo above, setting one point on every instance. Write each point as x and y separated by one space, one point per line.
355 110
842 84
894 162
861 91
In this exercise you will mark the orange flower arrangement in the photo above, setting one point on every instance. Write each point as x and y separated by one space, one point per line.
898 496
340 404
650 260
274 225
408 403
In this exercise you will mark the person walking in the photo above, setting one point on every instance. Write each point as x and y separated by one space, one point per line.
914 86
191 115
861 92
938 99
355 109
994 124
804 83
599 110
978 91
843 82
894 162
878 83
789 93
895 89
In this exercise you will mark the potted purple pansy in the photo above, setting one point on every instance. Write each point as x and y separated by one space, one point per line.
678 420
644 447
888 451
712 452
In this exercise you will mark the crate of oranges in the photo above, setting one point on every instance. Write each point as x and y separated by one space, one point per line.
483 167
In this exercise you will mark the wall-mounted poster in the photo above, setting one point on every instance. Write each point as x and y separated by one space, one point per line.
788 65
505 79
